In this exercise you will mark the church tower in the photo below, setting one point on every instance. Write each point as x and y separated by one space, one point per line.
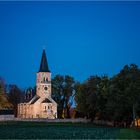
41 105
43 83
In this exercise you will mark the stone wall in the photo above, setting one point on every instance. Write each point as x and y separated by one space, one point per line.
11 118
6 117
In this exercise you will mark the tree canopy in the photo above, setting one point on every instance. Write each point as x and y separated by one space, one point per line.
114 98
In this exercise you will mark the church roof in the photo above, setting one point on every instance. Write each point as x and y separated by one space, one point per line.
44 64
46 100
34 99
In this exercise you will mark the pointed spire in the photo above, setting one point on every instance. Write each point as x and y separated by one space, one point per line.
44 64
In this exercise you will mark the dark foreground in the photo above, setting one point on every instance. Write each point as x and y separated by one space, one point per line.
43 130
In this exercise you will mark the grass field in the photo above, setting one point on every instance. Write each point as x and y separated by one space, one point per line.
42 130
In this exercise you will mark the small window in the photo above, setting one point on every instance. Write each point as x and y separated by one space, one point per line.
48 107
37 115
46 79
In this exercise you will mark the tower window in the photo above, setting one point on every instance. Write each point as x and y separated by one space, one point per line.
46 79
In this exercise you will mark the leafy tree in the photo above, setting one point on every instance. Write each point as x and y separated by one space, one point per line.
4 103
124 94
103 93
14 97
87 97
68 88
93 95
81 99
62 87
58 92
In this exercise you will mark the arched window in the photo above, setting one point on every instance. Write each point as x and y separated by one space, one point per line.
46 79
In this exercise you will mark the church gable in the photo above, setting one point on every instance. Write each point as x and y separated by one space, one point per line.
46 100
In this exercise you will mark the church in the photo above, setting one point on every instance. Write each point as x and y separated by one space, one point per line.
41 105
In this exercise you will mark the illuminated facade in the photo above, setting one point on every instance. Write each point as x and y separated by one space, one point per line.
41 105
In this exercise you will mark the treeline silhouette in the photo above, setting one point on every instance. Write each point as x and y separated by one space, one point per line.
106 98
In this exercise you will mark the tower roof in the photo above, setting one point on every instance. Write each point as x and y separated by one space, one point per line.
44 64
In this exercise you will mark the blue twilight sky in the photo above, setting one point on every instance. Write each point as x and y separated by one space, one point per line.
81 38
